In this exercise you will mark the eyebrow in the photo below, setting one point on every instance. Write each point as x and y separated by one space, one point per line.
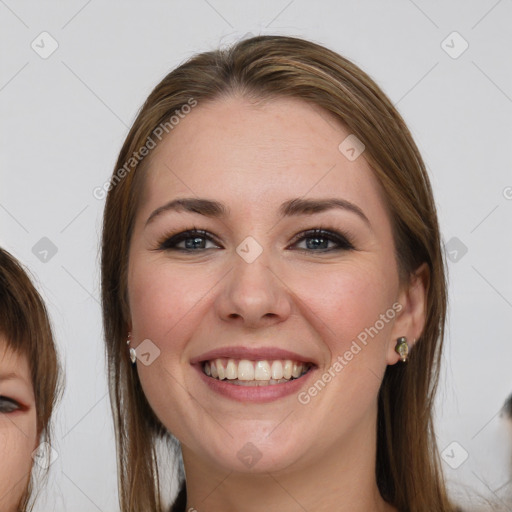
11 376
297 206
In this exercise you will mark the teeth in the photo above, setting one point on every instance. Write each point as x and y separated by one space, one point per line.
253 373
262 371
257 383
245 370
287 370
231 370
277 370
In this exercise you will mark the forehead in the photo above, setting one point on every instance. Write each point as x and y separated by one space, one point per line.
14 365
257 154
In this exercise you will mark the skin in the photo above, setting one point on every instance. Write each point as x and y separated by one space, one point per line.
18 426
252 158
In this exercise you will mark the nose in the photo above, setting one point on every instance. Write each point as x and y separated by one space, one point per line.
253 295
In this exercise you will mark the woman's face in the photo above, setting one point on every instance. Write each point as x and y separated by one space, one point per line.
254 294
18 427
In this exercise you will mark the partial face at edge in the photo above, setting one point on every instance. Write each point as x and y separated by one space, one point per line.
18 426
310 294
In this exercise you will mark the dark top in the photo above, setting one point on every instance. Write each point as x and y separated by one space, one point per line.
180 503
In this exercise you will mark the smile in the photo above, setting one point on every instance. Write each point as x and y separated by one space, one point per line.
243 372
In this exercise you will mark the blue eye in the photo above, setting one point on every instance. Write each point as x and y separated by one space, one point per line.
192 239
8 405
317 240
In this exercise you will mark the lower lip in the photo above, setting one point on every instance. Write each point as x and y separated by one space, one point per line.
256 394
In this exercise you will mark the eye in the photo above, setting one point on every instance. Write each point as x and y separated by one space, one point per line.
318 240
8 405
188 241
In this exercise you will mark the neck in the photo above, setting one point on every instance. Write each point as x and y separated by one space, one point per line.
342 479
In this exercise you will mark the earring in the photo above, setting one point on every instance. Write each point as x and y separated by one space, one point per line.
402 349
133 354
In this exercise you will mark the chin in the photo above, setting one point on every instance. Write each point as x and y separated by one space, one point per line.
252 453
251 458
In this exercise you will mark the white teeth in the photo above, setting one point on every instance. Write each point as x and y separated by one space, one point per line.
220 370
246 372
231 370
297 370
258 383
277 370
262 371
287 369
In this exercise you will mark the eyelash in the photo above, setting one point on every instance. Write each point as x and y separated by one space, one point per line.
170 241
8 405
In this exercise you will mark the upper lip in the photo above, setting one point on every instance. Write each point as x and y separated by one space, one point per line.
252 354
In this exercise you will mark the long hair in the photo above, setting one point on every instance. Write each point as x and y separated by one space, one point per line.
407 467
26 327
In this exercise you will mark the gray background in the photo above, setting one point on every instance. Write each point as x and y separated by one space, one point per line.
63 120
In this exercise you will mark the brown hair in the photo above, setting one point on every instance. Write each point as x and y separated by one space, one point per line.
407 468
24 323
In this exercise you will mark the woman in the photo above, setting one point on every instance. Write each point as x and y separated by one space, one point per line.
29 376
273 290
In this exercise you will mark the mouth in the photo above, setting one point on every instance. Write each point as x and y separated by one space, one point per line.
254 374
245 372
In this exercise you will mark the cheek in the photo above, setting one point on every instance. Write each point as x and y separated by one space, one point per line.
348 307
160 298
348 303
17 442
166 306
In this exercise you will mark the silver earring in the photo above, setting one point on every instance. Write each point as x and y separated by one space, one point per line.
133 354
402 349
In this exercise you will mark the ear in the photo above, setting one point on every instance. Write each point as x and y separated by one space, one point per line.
410 320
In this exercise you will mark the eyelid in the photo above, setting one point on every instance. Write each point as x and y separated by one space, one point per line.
180 235
331 234
342 238
17 405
